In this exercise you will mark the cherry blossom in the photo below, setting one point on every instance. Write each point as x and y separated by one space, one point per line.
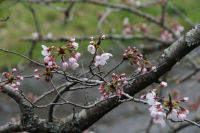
73 63
101 60
64 66
77 55
75 45
45 52
12 80
91 49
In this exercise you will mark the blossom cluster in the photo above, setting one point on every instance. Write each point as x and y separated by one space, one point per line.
130 29
94 47
67 52
11 79
134 57
159 108
115 86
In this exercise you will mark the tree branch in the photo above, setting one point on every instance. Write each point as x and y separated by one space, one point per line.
170 56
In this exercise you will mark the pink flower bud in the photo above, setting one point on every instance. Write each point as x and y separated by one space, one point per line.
5 74
123 74
124 54
20 77
113 75
125 82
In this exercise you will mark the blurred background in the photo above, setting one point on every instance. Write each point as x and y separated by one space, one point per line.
30 25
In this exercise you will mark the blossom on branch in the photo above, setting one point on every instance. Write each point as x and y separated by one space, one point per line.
101 60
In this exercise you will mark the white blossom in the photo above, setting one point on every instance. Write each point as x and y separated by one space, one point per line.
91 49
45 51
101 60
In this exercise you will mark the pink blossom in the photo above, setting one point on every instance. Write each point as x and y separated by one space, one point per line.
77 55
73 63
182 116
64 66
72 60
75 45
74 66
125 82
